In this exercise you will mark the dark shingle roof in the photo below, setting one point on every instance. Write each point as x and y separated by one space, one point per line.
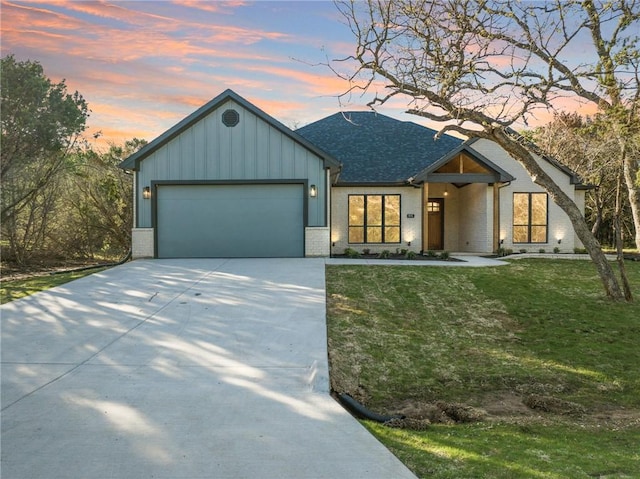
374 148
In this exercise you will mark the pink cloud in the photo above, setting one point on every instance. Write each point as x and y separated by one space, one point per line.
212 7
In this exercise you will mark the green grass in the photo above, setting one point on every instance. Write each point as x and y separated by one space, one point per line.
502 451
403 338
11 290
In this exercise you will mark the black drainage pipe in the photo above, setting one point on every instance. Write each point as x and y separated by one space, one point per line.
362 412
95 266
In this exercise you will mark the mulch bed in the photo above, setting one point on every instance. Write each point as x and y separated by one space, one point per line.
396 257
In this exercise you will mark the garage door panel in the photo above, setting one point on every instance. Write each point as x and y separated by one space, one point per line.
230 221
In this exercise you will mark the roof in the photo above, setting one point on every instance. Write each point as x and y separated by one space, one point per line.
132 162
531 146
375 148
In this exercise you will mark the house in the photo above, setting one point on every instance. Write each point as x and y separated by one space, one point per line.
231 181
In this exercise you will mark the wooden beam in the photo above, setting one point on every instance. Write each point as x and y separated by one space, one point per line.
425 217
496 216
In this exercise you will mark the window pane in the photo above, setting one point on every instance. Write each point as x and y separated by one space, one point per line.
374 234
538 234
392 210
520 209
538 208
392 234
520 234
374 210
356 234
356 210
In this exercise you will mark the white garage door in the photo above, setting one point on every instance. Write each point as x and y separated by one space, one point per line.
230 221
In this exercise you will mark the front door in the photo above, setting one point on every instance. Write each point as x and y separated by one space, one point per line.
435 210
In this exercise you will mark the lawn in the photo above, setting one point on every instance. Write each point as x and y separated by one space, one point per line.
523 371
12 289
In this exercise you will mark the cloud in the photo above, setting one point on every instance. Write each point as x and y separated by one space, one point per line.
212 7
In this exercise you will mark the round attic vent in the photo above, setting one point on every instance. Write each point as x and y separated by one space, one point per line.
230 118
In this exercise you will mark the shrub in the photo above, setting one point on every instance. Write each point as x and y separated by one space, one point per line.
522 250
351 253
444 255
580 250
385 254
410 255
431 254
366 251
541 250
556 250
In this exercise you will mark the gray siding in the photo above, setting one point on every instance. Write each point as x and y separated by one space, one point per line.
252 150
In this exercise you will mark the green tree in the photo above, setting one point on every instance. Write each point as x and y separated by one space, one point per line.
481 67
41 125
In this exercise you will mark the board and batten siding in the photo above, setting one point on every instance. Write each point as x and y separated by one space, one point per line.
253 150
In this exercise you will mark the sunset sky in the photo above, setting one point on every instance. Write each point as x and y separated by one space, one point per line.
142 66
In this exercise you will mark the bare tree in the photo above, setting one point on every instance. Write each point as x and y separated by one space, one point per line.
481 67
589 147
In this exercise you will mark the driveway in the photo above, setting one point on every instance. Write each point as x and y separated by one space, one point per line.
209 368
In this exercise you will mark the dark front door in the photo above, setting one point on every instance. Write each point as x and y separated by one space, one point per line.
435 210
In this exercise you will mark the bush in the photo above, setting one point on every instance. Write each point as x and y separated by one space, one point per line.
444 255
556 250
431 254
522 250
410 255
386 254
541 250
580 250
351 253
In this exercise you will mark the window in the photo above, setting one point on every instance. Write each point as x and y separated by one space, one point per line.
374 218
529 217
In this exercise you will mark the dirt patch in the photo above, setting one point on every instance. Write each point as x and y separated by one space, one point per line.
553 405
509 407
440 412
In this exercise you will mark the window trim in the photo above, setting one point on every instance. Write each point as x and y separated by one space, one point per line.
382 226
529 224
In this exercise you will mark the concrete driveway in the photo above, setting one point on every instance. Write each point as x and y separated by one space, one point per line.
208 368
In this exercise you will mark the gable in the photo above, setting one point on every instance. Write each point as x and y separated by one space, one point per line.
464 165
230 141
209 125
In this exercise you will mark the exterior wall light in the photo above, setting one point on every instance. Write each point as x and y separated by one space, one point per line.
559 240
313 191
146 192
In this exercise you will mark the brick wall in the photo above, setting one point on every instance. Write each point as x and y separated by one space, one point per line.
317 241
142 243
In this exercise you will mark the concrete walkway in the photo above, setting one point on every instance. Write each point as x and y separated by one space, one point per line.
176 369
469 261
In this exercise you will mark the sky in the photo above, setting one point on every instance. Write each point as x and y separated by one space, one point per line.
144 65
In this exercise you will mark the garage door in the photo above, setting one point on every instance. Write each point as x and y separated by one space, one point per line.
230 221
